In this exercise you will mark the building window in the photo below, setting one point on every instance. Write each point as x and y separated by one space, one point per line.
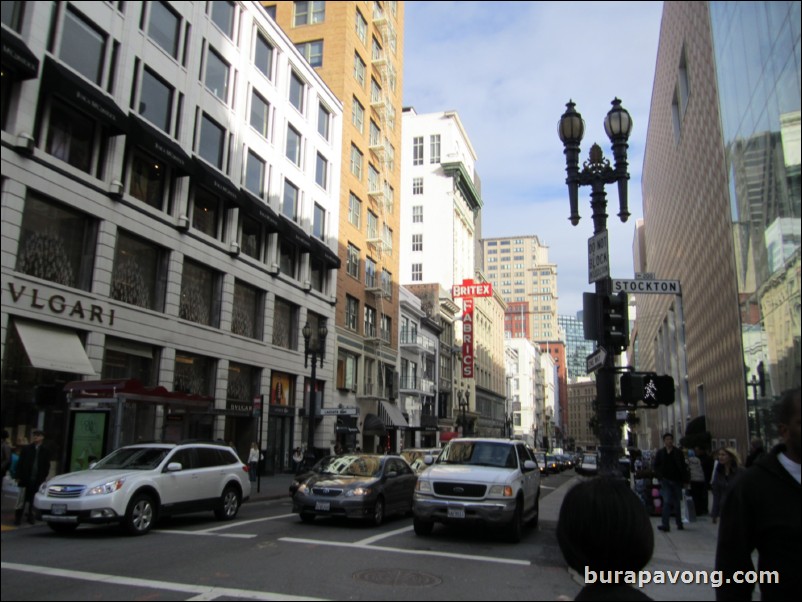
297 92
71 136
12 15
387 284
321 171
417 186
246 314
375 139
359 69
351 312
293 148
417 214
417 150
263 56
318 271
243 381
434 148
255 174
223 16
370 273
417 242
354 211
319 222
288 256
312 52
289 205
310 12
356 162
352 261
217 72
139 276
285 324
83 47
358 115
252 237
260 114
361 27
387 328
374 181
200 294
212 136
372 226
206 213
194 374
370 322
123 359
375 92
323 121
164 27
156 100
417 272
56 243
149 180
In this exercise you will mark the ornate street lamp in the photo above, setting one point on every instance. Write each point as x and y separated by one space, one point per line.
316 347
464 404
596 172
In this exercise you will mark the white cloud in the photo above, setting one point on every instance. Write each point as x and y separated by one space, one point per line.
508 68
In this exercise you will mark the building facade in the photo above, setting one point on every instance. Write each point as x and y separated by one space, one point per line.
357 48
581 395
721 195
169 217
577 348
527 408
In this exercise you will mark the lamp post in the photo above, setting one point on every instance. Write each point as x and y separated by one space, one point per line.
317 349
596 172
464 403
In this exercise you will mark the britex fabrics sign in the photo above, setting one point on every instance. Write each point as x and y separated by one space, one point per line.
468 290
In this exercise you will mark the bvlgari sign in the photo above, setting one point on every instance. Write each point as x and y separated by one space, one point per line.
55 303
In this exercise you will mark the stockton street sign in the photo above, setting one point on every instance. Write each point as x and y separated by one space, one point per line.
642 286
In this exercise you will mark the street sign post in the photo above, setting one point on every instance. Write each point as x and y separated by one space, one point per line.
598 257
596 359
339 412
648 287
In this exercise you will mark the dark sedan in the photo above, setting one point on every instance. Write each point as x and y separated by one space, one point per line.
321 466
362 486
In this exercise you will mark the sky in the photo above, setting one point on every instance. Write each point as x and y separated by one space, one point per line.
508 68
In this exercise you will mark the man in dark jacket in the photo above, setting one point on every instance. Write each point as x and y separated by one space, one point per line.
762 512
670 466
32 471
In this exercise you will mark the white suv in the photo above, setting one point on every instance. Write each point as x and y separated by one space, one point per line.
138 484
491 481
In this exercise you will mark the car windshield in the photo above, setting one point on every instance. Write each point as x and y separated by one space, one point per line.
354 465
479 453
589 460
134 458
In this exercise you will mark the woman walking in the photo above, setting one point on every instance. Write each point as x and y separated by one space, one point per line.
723 477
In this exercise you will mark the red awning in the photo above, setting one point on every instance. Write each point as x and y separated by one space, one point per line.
449 435
132 390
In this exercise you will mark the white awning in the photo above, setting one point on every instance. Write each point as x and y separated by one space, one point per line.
391 415
54 349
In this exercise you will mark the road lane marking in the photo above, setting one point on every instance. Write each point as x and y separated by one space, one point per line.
380 536
316 542
207 592
207 534
247 522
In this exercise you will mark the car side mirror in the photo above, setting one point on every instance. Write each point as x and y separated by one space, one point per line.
428 460
174 467
529 465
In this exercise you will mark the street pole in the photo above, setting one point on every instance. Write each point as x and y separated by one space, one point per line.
314 348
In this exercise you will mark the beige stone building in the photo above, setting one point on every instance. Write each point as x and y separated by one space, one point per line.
581 396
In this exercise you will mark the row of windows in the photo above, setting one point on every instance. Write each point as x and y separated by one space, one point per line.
434 149
369 324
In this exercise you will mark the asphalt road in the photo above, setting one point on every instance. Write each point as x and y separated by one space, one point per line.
267 553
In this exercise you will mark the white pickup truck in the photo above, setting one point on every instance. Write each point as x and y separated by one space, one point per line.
490 481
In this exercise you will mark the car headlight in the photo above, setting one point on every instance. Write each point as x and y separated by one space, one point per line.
501 491
423 486
302 488
358 492
106 488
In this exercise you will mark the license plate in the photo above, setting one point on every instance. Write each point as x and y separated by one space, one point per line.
456 513
58 509
323 506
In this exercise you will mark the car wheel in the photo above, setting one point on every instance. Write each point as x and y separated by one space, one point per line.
141 514
378 513
422 527
229 504
63 527
307 518
516 527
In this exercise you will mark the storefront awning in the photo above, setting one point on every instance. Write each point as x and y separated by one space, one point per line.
258 208
448 435
373 426
215 181
295 234
17 58
391 415
321 250
54 348
158 144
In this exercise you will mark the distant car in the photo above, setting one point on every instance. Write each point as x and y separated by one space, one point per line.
490 481
138 484
552 464
319 467
588 466
416 456
365 486
541 462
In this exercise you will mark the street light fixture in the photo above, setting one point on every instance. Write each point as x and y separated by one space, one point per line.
464 404
316 347
596 172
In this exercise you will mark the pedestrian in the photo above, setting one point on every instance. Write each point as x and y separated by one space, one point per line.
5 464
670 466
723 477
707 466
254 455
604 530
33 469
297 460
698 482
762 512
755 451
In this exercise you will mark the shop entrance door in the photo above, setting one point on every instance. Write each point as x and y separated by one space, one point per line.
279 444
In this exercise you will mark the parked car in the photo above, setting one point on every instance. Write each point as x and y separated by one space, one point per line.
490 481
589 465
320 466
363 486
415 457
138 484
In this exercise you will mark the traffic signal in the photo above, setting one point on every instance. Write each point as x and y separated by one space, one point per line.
615 322
650 388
